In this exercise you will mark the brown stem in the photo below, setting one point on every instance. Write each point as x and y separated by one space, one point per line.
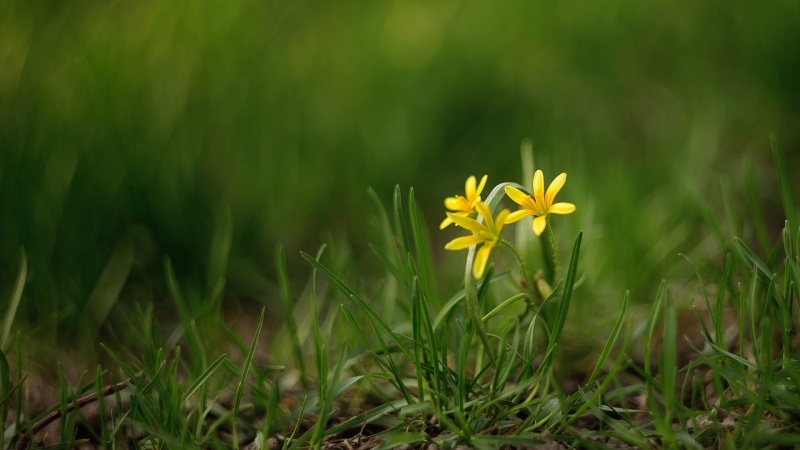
25 438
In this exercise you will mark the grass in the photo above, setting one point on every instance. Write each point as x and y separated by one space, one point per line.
211 132
487 365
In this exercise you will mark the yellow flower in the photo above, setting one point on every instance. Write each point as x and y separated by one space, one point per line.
542 202
487 233
464 206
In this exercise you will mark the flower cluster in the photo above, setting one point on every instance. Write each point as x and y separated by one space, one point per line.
464 206
467 208
487 233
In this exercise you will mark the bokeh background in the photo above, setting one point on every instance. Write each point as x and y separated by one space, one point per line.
211 131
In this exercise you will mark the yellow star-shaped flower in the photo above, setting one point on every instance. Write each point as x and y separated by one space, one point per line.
461 205
487 233
541 204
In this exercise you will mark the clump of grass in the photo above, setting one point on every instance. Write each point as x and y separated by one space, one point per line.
402 362
474 370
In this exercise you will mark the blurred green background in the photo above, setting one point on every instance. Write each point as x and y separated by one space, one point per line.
211 131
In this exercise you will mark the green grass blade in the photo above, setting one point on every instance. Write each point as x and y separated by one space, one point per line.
422 247
717 314
290 442
740 360
315 326
400 223
750 258
651 326
755 214
101 408
393 268
597 393
289 314
753 314
447 309
16 296
741 322
119 361
566 297
65 422
526 157
203 378
713 223
503 305
789 206
416 328
509 364
432 350
700 281
273 409
791 260
187 319
387 362
220 249
668 366
243 380
383 217
327 397
5 390
108 288
528 345
21 379
366 417
612 338
362 305
398 439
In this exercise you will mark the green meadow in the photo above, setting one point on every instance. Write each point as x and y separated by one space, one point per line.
221 225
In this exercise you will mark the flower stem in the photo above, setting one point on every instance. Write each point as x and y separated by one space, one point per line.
526 274
550 250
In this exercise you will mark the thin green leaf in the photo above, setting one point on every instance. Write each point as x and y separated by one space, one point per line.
612 338
16 296
669 359
400 222
422 247
243 380
789 206
750 258
362 305
503 305
289 314
756 215
563 305
5 391
651 325
203 378
193 340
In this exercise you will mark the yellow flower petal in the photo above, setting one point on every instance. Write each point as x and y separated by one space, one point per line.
481 258
562 208
447 221
452 203
469 187
519 197
483 209
539 224
466 222
538 187
460 243
501 219
554 187
517 215
482 184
